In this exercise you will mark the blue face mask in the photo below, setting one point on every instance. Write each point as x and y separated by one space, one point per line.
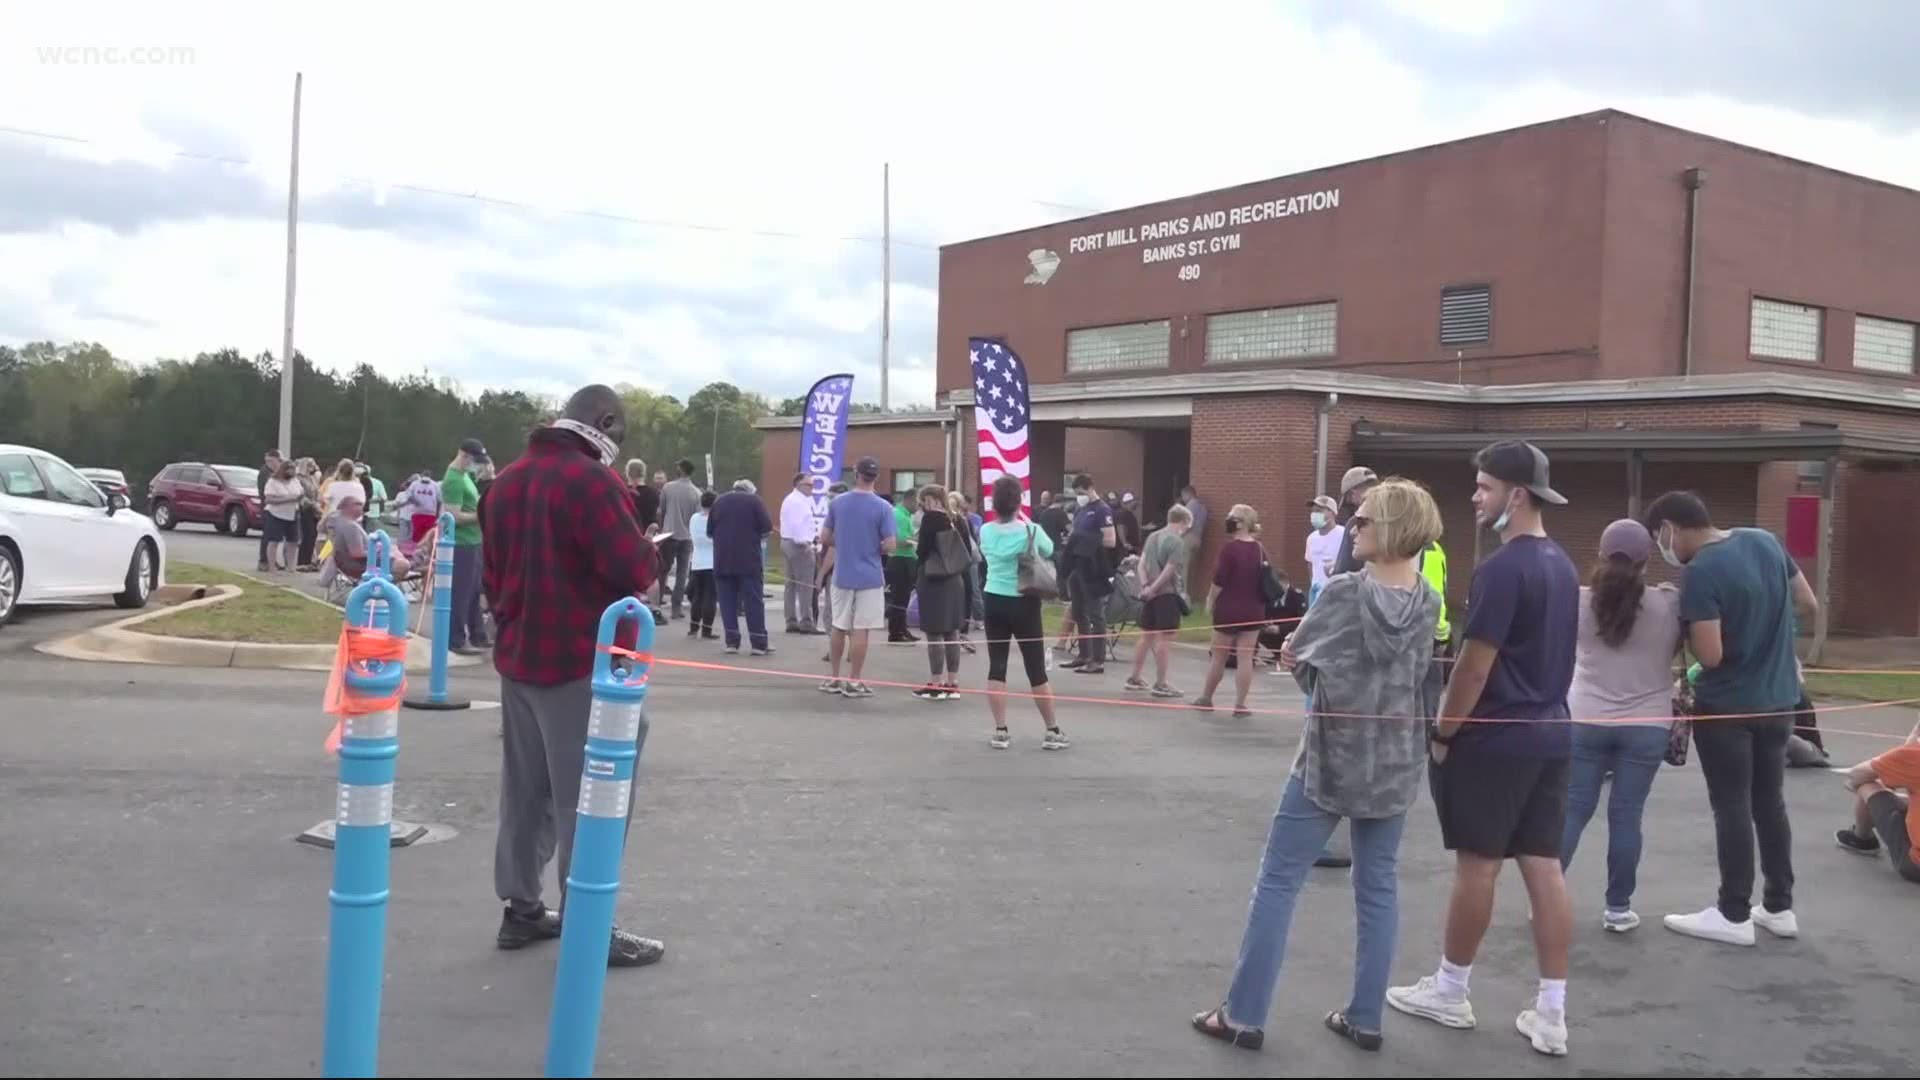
1318 519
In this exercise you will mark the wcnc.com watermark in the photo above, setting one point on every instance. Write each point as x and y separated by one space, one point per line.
131 55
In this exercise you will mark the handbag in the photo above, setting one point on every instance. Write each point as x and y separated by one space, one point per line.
1681 730
1271 588
1037 575
950 555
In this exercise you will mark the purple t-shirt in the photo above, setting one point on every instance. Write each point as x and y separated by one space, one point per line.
1525 602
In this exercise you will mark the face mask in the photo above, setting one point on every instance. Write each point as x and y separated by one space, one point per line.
1082 499
1318 519
604 448
1666 551
1506 515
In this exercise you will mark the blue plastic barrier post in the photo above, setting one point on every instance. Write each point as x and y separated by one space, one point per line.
357 936
599 839
437 698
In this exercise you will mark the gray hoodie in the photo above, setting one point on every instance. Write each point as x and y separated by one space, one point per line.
1362 653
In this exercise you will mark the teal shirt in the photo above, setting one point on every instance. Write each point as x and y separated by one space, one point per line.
458 492
1746 582
1003 543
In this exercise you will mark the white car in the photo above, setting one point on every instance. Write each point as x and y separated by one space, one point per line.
60 538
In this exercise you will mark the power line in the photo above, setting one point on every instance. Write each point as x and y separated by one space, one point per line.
512 204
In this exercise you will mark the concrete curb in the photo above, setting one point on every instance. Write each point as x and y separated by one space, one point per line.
116 643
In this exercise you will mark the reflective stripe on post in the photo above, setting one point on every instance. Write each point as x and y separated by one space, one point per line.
600 837
356 936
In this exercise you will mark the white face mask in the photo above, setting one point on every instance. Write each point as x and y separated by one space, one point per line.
1318 518
1506 515
1083 499
1666 549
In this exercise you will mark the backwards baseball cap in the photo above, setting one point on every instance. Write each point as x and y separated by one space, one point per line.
1626 537
1126 497
474 449
1325 502
867 467
1356 476
1521 464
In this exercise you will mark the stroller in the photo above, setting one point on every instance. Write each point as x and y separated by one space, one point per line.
1123 604
1285 614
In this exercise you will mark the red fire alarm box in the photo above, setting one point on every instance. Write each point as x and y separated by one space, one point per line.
1803 526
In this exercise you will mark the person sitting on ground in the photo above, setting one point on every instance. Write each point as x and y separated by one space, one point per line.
1878 808
348 533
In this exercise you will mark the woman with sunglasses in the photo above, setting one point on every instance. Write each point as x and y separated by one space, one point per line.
1361 653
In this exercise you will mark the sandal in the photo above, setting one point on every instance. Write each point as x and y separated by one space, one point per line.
1338 1024
1203 704
1213 1024
1241 712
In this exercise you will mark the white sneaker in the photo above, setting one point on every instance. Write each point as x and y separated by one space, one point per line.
1426 1000
1713 926
1618 922
1781 924
1547 1031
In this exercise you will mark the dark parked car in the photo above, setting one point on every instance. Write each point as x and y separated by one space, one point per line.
224 496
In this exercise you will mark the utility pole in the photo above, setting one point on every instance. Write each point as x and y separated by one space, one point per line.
886 275
286 336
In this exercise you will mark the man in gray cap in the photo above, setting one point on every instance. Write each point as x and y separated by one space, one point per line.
1353 491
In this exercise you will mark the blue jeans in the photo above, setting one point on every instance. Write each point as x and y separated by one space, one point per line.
1633 752
1300 831
737 592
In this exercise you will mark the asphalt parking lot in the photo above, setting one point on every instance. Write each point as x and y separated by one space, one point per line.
845 888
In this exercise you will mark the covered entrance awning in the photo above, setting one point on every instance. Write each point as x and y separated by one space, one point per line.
1633 448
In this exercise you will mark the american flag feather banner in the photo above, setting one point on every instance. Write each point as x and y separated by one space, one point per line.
1001 411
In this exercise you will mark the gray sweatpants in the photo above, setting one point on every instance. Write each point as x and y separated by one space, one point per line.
799 593
543 747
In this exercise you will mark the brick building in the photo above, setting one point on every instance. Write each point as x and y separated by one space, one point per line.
1653 307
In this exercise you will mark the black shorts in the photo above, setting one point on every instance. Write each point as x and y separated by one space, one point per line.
1498 805
1162 612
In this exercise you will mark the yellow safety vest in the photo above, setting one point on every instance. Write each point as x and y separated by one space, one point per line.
1433 567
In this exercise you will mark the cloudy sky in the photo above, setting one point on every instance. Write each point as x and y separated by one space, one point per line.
663 196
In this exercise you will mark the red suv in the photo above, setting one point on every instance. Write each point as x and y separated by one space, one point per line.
224 496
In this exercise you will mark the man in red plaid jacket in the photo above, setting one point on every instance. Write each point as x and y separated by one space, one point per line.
560 543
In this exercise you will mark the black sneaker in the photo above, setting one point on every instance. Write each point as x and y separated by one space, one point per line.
519 931
693 630
930 692
1333 860
708 635
632 950
1854 842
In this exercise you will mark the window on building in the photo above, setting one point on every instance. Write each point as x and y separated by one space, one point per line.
1127 347
1466 315
1883 345
908 482
1783 331
1282 333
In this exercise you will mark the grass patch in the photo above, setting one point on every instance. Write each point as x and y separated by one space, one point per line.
262 614
1899 686
1196 628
